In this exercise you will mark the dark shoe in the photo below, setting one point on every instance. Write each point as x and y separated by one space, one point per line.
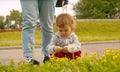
35 62
46 58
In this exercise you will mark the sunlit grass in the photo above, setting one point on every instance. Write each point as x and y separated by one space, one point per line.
98 31
86 32
97 38
14 38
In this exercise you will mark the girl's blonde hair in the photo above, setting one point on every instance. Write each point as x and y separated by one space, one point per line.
65 19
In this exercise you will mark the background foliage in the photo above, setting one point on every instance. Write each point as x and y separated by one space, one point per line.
12 21
84 9
96 9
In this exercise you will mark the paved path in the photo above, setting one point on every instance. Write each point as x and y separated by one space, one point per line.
15 53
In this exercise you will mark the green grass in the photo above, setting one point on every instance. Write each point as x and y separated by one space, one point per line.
98 31
86 31
14 38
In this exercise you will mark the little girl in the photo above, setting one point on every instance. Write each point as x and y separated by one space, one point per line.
65 42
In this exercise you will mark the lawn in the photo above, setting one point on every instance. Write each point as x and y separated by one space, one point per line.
87 31
98 31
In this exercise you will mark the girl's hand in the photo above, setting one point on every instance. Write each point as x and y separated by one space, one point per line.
57 49
65 49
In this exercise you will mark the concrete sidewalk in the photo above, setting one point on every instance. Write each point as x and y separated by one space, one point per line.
15 52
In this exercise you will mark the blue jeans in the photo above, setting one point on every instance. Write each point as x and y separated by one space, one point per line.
31 10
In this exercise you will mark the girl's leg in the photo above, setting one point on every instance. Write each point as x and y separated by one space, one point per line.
71 56
59 55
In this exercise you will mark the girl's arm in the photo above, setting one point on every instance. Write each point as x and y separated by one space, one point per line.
75 46
51 45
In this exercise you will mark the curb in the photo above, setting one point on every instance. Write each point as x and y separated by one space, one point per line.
83 43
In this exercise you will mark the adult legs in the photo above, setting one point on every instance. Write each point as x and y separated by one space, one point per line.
46 11
30 16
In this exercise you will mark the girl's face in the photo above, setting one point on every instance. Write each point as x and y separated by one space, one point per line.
64 31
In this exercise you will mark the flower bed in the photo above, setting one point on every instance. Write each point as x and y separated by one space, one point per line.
9 30
92 62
